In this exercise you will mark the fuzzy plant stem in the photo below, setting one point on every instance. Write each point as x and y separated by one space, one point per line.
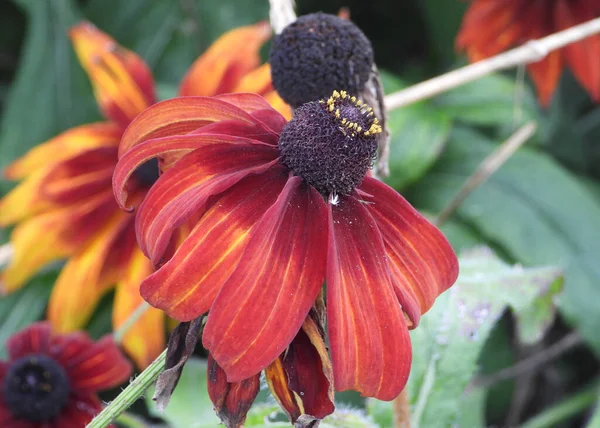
130 394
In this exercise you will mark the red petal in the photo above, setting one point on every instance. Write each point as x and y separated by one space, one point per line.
78 412
265 301
258 107
186 286
183 190
369 341
183 115
31 340
232 400
101 366
179 145
422 262
582 56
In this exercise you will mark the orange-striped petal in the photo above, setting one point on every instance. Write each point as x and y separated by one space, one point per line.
266 299
63 146
185 287
231 400
51 236
422 262
183 115
122 82
145 339
183 190
33 339
84 279
301 379
369 341
25 200
227 60
100 365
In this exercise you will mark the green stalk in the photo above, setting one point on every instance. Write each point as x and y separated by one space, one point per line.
566 409
130 394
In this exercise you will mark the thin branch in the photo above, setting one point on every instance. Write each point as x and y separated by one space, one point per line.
532 51
487 168
401 410
281 14
534 362
119 334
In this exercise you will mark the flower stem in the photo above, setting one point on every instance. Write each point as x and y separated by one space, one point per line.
130 394
566 409
129 322
401 410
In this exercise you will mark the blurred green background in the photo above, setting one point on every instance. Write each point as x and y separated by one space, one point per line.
541 209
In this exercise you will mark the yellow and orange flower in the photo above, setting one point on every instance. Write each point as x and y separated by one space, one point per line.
492 26
64 207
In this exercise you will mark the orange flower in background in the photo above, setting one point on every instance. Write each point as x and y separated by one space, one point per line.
277 209
64 207
493 26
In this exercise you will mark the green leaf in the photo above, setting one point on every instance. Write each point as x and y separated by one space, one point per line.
21 308
495 99
190 405
50 92
447 343
418 134
381 412
534 210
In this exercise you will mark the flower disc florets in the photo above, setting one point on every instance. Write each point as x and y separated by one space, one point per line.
331 143
36 388
317 54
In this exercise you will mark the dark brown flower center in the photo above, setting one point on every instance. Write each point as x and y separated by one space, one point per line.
331 143
36 388
147 173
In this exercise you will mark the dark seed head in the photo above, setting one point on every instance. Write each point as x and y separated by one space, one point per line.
147 173
317 54
331 143
36 388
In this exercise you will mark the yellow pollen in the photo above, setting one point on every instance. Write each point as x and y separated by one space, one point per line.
337 113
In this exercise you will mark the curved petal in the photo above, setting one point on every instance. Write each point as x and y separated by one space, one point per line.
183 115
226 61
100 366
185 287
145 339
53 235
63 146
30 340
264 302
422 262
171 148
370 346
83 280
73 180
122 82
184 189
259 108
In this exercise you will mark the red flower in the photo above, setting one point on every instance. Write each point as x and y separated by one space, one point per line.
492 26
51 380
276 209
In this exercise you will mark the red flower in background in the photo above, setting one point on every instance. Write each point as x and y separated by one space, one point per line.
65 208
493 26
276 210
51 380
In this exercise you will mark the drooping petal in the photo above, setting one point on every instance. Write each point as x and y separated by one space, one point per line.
83 280
301 379
186 286
231 400
582 56
545 75
51 236
122 82
63 146
369 341
100 366
226 61
183 190
264 302
183 115
422 263
167 148
145 338
31 340
83 175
